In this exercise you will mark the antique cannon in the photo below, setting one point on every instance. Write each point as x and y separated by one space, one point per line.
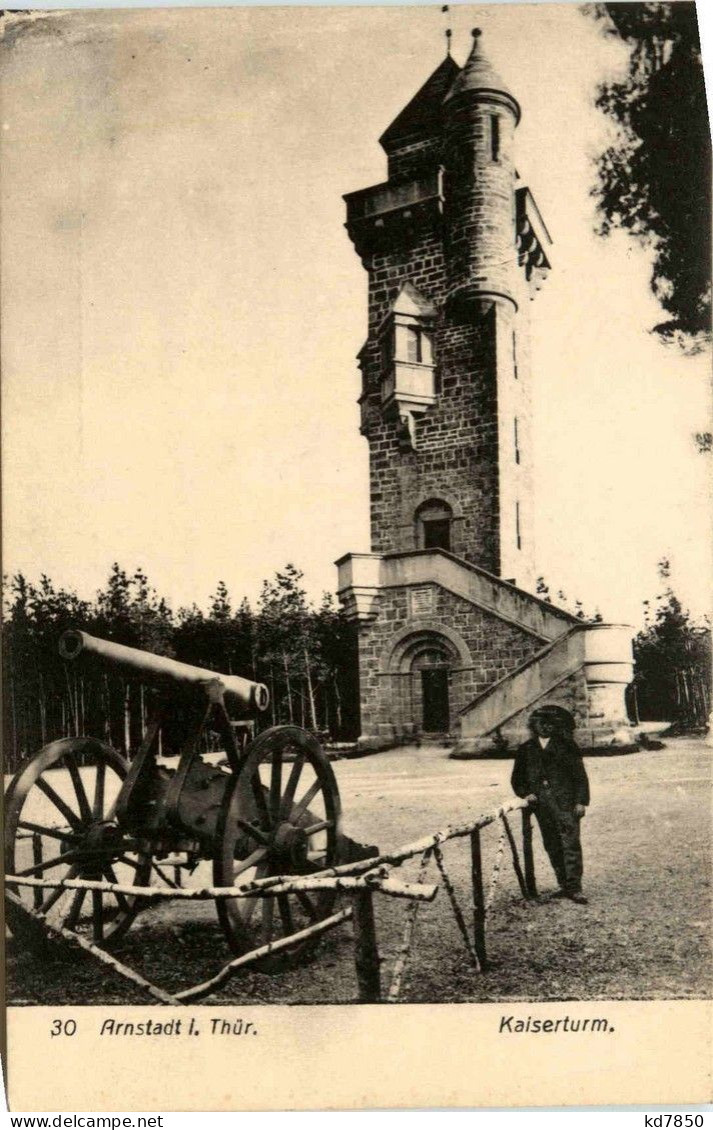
79 810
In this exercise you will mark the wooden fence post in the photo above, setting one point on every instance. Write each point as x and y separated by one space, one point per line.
366 949
527 856
515 856
478 898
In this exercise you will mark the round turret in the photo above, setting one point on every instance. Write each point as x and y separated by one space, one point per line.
480 118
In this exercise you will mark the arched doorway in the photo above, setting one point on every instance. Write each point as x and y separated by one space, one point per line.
423 665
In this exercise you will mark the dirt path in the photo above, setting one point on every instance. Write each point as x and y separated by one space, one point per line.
645 934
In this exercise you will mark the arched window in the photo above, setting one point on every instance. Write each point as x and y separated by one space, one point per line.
434 520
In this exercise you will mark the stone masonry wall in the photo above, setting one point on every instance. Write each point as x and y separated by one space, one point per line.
456 453
571 693
414 159
594 729
462 452
387 700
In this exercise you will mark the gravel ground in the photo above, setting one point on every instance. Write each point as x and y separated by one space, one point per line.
645 934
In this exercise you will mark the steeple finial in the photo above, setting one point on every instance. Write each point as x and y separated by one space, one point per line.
445 10
478 78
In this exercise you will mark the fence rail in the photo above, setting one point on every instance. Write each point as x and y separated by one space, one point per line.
360 880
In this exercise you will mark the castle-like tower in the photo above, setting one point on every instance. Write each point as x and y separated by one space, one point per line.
455 248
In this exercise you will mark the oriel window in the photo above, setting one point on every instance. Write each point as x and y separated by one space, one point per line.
413 344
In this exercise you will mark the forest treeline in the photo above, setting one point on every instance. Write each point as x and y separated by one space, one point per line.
672 657
302 652
305 654
672 662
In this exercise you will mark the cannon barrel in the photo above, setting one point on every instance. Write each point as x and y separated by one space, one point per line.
158 669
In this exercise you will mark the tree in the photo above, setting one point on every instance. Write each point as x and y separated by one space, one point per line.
334 647
542 589
672 662
129 611
42 697
283 636
654 179
305 654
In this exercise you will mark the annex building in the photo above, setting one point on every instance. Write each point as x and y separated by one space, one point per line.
450 639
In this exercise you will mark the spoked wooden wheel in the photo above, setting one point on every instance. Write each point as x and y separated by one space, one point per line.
281 817
59 824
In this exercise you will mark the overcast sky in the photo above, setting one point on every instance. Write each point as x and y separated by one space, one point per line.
182 307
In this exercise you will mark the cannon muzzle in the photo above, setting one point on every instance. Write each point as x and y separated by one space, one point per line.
158 669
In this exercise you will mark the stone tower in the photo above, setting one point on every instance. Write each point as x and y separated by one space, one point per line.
445 398
454 248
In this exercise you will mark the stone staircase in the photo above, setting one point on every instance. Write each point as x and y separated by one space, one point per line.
586 670
582 666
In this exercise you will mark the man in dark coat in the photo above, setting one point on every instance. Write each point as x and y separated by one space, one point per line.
550 774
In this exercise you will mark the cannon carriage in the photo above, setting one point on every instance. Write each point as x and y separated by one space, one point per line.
79 810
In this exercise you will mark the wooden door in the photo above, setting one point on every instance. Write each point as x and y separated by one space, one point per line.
436 713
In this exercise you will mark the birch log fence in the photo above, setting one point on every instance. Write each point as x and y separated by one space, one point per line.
360 881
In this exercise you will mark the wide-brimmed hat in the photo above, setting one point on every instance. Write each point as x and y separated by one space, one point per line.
556 714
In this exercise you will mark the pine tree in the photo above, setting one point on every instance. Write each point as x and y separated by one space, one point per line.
672 662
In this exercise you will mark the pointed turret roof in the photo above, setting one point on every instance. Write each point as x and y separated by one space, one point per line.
479 76
422 116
